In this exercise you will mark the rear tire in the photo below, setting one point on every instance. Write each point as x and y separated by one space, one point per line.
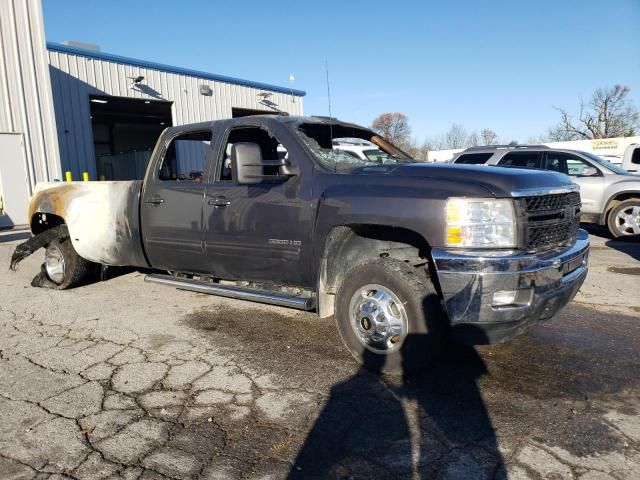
389 316
624 218
64 267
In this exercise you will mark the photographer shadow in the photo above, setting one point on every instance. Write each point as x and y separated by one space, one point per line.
457 437
430 424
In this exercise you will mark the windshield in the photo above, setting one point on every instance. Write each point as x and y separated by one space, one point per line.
323 140
606 163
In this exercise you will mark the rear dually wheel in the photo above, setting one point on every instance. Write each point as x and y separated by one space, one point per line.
64 267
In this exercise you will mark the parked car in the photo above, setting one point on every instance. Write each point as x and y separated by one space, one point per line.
367 152
610 195
401 252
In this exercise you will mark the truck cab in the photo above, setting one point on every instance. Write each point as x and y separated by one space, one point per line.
265 208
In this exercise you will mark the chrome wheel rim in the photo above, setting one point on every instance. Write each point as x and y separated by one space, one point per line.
378 318
54 264
628 220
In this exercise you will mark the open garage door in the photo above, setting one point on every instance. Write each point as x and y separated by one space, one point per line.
247 112
125 131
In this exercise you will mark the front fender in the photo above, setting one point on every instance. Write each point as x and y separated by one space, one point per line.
102 218
620 188
408 208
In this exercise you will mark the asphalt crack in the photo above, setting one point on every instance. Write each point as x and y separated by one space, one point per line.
265 400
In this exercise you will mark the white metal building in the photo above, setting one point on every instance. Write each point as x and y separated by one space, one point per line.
92 124
65 108
28 137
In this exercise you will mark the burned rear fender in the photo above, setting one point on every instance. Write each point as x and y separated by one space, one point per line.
36 242
102 218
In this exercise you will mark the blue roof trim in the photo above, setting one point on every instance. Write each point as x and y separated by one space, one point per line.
56 47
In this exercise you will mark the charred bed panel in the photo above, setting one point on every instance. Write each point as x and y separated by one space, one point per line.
102 218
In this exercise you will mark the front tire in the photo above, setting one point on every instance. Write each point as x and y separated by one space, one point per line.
63 267
624 218
389 316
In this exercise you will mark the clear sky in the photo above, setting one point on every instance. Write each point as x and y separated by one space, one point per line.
485 64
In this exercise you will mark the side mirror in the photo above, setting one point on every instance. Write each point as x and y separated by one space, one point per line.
249 166
589 172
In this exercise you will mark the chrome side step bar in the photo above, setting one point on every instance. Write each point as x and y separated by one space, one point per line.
262 296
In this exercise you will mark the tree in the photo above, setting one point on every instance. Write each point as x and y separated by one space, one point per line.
559 134
394 127
435 143
456 137
538 139
417 151
473 140
608 114
489 137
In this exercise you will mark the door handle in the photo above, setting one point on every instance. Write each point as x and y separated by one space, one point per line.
155 200
219 202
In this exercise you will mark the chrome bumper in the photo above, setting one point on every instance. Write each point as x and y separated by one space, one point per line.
469 279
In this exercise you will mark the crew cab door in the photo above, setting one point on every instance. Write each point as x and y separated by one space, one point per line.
582 172
260 231
172 197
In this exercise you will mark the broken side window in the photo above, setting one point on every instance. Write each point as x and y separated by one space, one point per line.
270 147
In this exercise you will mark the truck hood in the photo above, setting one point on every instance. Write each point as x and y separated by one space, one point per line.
500 181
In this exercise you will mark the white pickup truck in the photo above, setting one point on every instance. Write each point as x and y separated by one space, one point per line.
631 158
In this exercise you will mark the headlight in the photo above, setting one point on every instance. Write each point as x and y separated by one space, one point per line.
480 222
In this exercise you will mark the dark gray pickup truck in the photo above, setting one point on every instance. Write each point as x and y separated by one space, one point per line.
264 208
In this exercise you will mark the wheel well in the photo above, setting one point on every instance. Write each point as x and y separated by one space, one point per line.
616 199
350 245
44 221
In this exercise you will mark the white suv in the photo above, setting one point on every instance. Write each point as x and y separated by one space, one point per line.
610 195
368 153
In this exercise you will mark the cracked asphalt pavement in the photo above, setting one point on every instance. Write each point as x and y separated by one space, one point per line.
122 379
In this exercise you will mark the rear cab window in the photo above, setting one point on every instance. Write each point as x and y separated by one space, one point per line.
474 158
185 157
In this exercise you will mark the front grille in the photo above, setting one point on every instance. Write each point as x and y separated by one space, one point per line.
549 221
551 202
550 236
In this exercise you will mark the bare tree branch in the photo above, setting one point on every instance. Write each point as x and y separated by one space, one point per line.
489 137
456 136
608 114
473 140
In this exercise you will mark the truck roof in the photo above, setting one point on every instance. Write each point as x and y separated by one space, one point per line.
484 148
286 119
